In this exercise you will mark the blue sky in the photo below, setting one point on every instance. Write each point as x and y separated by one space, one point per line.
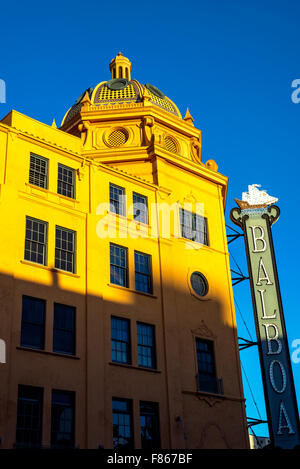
231 62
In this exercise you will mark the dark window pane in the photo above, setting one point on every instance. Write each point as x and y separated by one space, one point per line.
146 345
65 242
29 417
117 199
118 265
143 272
207 380
62 419
35 241
140 208
120 340
33 322
193 227
66 181
149 422
64 329
38 171
122 423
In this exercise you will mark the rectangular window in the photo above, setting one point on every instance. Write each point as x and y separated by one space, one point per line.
118 265
122 423
29 417
207 380
146 345
66 181
65 249
193 227
62 419
33 322
117 199
36 241
149 421
143 272
64 329
120 340
140 208
38 171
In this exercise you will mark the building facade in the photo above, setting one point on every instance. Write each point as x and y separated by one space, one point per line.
117 310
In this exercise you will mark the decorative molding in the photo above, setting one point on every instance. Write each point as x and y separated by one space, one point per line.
203 331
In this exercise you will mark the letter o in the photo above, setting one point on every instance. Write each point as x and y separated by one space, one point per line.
283 373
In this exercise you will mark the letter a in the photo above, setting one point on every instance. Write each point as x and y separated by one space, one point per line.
261 266
281 426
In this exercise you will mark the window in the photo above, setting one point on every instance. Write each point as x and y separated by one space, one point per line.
143 272
146 345
149 421
66 181
117 199
193 227
140 208
33 322
65 249
62 419
122 423
118 265
64 329
38 171
206 379
36 241
29 417
199 284
120 340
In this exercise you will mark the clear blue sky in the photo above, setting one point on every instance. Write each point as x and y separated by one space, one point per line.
231 62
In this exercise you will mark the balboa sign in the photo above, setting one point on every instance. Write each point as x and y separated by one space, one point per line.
255 217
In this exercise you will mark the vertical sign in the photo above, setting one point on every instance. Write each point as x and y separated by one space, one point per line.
274 355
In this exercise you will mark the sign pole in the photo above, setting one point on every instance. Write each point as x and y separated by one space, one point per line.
283 419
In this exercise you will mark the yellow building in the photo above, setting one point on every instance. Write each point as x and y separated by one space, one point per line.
116 301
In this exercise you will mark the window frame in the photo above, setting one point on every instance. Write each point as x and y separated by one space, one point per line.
125 269
72 396
45 244
152 347
73 185
114 340
71 331
146 212
149 276
46 160
128 412
156 429
203 235
122 204
40 402
209 382
74 233
42 325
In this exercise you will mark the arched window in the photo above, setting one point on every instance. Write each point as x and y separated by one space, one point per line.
127 73
114 73
120 72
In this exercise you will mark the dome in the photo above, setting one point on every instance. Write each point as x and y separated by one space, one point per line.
120 89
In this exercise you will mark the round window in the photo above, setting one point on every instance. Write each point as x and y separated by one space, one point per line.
199 284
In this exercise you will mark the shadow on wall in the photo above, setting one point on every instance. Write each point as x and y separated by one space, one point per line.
209 419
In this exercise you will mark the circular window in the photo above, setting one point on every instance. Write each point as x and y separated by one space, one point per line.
117 84
199 284
117 137
171 145
155 90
